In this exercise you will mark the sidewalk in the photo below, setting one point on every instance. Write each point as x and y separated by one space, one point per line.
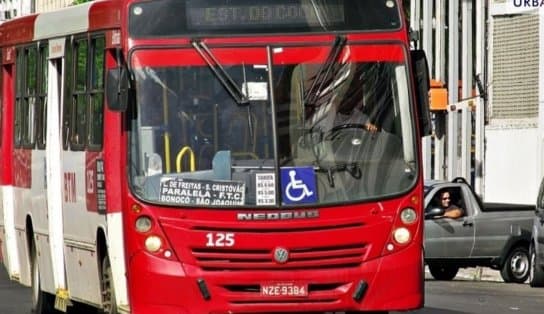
473 273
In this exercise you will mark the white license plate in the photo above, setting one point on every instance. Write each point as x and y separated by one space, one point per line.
284 289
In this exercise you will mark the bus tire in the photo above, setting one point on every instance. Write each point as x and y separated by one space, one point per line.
516 266
443 272
109 305
42 302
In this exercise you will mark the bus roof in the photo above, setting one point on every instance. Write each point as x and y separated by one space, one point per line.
81 18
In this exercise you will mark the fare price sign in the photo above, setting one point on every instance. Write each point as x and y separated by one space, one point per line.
201 192
284 289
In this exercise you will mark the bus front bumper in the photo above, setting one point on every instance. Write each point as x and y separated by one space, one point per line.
391 282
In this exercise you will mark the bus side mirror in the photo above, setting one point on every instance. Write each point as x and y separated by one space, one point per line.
422 85
117 89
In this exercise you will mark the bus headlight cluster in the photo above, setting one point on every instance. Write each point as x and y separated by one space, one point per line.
153 243
143 224
408 216
405 227
401 235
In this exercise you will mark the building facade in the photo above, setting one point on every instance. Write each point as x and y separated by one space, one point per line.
14 8
515 132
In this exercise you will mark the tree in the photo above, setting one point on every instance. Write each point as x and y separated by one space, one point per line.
76 2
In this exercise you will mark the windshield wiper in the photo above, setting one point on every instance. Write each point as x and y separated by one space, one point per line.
222 75
324 71
352 168
310 97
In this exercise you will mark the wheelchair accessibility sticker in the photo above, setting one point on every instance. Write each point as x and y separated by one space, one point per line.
298 185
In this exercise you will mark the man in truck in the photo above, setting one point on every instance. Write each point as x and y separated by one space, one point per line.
451 210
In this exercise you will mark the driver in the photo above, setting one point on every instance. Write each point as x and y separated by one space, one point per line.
340 100
351 99
450 210
354 115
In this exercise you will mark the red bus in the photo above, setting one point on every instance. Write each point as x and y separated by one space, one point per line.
214 156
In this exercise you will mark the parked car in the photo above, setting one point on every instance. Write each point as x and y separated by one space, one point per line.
490 235
536 250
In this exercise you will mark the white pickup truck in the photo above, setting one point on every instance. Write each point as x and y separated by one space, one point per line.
490 235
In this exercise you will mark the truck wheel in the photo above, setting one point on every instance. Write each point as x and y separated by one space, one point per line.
516 266
443 272
536 275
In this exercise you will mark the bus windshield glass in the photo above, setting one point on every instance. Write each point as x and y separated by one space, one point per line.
227 17
320 125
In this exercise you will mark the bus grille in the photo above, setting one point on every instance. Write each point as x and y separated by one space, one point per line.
216 259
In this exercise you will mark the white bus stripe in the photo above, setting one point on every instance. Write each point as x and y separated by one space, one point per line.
74 20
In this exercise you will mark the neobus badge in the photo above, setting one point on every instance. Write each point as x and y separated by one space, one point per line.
283 215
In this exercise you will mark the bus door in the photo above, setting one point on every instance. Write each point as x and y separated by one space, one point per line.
54 160
2 228
8 238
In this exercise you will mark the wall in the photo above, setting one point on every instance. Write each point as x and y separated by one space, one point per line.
511 175
513 137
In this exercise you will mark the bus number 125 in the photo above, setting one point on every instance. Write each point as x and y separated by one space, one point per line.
219 239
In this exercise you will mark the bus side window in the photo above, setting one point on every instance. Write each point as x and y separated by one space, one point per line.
19 76
41 97
96 93
78 100
25 97
84 118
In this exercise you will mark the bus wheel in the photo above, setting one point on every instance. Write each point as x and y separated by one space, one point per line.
109 306
42 302
517 265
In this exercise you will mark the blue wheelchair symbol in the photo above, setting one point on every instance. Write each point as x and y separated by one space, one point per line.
298 185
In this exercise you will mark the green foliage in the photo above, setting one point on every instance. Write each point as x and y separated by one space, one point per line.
76 2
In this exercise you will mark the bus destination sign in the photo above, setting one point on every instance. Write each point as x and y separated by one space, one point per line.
236 14
230 17
201 192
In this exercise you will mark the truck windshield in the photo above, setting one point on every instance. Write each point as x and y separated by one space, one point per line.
302 136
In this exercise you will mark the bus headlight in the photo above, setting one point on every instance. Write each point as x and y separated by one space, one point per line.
408 216
153 243
143 224
401 235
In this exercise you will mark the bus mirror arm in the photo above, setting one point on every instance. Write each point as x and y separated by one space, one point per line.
117 85
422 85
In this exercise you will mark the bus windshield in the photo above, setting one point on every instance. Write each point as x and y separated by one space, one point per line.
319 125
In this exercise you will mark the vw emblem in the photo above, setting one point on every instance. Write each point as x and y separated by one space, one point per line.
281 255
